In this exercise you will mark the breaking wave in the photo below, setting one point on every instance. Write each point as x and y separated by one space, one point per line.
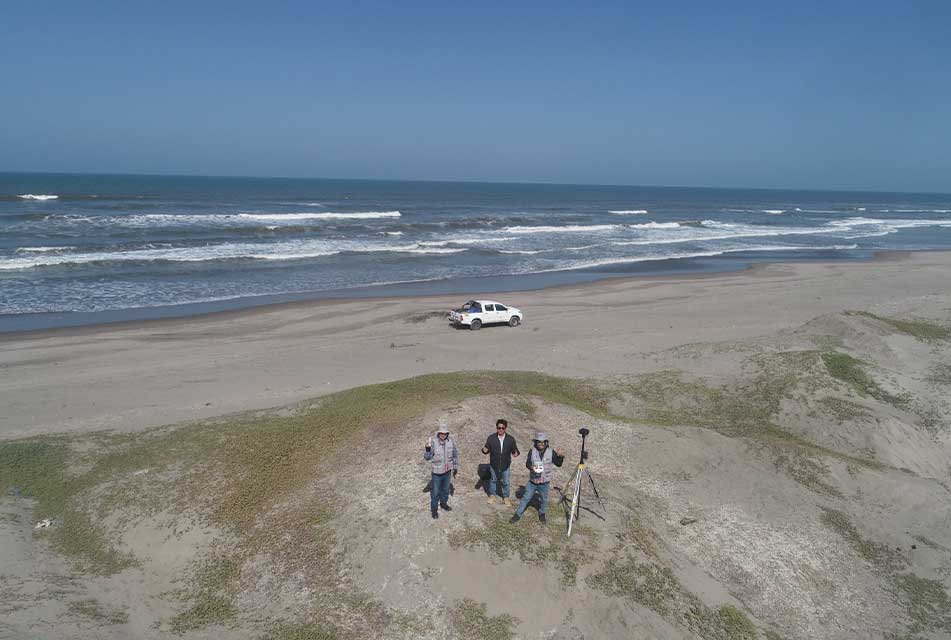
568 228
361 215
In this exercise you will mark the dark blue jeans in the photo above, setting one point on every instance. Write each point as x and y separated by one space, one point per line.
440 491
494 481
530 489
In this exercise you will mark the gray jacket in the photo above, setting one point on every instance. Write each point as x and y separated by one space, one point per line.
444 455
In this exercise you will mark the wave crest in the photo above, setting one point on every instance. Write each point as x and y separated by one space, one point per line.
41 196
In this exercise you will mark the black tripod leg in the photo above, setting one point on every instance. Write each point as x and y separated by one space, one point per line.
595 488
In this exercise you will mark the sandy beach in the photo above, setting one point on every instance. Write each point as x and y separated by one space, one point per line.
770 446
139 375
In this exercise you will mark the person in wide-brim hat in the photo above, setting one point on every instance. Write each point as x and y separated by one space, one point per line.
444 456
541 465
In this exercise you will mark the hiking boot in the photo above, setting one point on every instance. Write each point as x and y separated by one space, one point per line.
435 514
507 502
493 499
515 518
445 506
541 518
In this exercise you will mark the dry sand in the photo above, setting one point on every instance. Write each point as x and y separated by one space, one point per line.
139 375
848 540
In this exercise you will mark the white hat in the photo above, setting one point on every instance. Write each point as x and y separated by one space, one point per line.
443 427
541 436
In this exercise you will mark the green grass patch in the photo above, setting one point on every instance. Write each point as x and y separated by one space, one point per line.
735 623
667 399
531 541
96 611
747 410
646 583
925 331
843 411
926 602
656 587
636 534
940 374
471 621
37 469
523 406
801 464
844 367
880 555
725 623
216 583
308 631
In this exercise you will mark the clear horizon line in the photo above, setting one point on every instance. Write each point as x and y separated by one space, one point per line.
470 181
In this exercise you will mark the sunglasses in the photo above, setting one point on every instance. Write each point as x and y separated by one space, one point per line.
501 428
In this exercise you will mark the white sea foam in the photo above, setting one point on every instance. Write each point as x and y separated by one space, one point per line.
568 228
712 230
290 250
655 225
144 220
917 210
552 250
33 196
631 212
361 215
833 247
392 233
774 212
587 264
891 224
43 249
465 240
429 250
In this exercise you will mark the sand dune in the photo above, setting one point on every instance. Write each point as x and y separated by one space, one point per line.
773 464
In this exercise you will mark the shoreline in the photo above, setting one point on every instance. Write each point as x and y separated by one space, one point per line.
384 293
145 374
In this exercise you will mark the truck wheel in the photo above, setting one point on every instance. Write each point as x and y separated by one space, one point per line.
476 325
513 321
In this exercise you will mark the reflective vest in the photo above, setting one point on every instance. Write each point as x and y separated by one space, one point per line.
542 469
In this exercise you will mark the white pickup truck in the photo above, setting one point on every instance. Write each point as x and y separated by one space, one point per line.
476 313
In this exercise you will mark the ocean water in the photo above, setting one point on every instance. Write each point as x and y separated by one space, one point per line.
78 249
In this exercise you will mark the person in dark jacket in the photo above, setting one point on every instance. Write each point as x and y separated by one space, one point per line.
501 448
445 460
541 465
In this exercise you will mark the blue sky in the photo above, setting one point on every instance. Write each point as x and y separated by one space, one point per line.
850 95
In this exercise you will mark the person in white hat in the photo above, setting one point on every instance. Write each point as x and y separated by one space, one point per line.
445 460
541 465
